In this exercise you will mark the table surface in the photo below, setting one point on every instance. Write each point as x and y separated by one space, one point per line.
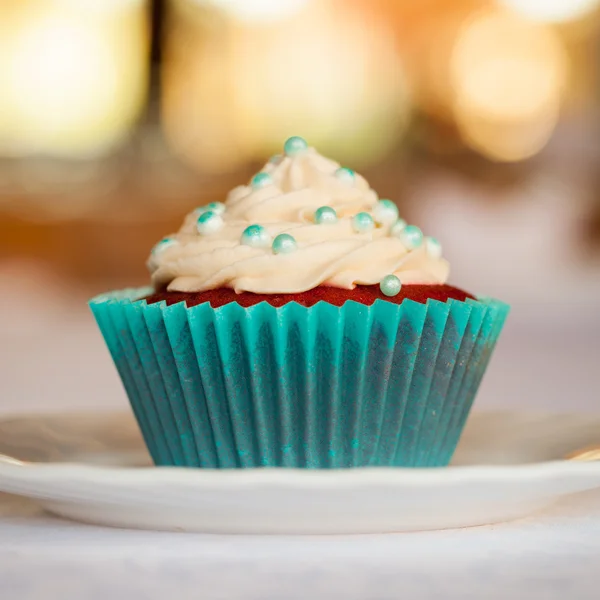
553 554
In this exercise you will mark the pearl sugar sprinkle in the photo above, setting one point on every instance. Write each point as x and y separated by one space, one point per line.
163 245
411 236
295 146
216 207
256 236
390 285
209 222
261 180
345 175
434 248
363 222
284 243
325 215
397 227
385 212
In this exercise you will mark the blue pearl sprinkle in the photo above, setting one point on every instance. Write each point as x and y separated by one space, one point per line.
411 236
284 243
397 227
209 222
216 207
362 222
325 215
261 180
256 236
390 285
295 145
434 248
385 213
275 159
346 175
163 244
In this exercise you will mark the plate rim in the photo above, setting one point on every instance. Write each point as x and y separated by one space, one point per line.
15 469
323 478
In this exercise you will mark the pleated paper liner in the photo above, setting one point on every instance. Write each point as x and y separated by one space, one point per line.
318 387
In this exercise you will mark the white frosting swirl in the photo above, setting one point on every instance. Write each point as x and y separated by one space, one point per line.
327 254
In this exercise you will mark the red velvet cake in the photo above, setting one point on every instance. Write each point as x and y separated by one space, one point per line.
365 294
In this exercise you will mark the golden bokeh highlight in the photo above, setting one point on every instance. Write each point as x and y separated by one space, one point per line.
426 32
259 10
73 75
240 76
552 11
508 77
233 90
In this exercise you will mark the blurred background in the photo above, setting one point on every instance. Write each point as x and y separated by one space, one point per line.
480 118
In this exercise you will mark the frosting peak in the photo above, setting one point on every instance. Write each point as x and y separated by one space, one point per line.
337 233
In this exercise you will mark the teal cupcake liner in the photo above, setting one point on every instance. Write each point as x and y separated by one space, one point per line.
318 387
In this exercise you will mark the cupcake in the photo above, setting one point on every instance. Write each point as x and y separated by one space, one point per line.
300 323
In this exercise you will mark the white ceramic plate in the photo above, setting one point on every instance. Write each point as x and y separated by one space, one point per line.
94 468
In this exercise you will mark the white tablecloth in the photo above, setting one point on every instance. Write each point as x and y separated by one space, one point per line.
555 554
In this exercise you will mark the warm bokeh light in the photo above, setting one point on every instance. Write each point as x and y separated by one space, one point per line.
73 75
552 10
426 32
507 76
259 10
233 91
